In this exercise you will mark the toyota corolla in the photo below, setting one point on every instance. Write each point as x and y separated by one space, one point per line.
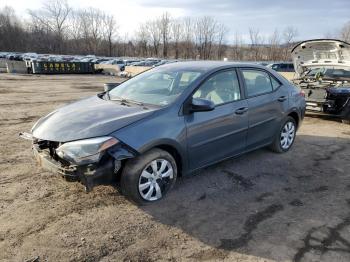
169 121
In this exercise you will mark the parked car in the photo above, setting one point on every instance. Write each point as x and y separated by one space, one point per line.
263 63
99 60
3 54
323 67
282 67
145 63
15 56
169 121
164 62
117 62
129 62
85 59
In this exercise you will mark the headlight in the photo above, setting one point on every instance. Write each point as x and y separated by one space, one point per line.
85 151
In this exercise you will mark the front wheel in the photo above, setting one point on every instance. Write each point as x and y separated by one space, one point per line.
285 137
149 177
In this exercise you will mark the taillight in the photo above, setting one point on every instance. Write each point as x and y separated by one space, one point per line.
302 93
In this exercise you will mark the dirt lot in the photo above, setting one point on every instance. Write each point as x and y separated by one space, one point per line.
259 207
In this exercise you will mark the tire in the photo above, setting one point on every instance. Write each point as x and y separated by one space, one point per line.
139 179
278 146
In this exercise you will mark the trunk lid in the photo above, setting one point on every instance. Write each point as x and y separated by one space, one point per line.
321 53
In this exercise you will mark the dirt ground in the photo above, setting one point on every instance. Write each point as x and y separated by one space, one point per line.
259 207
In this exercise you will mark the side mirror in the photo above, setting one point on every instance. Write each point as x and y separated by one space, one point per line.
109 86
201 105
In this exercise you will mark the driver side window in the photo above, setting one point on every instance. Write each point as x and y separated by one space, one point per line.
221 88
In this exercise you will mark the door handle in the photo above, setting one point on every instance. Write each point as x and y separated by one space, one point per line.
282 98
241 111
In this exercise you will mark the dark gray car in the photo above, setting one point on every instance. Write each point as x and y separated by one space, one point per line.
168 122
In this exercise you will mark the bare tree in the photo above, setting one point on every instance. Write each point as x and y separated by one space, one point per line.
274 47
237 47
109 31
205 35
255 43
91 21
57 28
188 36
345 32
75 32
289 35
143 39
12 33
153 29
177 34
164 24
53 16
221 34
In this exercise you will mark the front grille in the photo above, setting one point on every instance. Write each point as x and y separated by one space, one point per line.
50 148
45 144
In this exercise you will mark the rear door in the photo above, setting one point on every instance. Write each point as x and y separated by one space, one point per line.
267 101
217 134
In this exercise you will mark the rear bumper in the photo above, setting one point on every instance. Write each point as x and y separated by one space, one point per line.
89 175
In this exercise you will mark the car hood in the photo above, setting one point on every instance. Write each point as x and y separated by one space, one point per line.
91 117
325 53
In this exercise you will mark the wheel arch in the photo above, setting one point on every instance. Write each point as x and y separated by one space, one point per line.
294 114
173 149
175 154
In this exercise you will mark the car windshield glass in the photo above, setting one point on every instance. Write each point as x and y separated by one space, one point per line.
330 72
155 87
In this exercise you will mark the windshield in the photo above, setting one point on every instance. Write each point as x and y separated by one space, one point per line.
330 72
156 87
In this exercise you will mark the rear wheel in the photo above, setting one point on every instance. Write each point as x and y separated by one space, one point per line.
149 177
285 137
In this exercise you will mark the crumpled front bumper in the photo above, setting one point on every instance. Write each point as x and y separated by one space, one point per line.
89 175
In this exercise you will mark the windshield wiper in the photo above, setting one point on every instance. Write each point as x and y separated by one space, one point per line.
128 101
134 102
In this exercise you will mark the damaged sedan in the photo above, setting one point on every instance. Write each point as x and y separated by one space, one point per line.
169 121
323 69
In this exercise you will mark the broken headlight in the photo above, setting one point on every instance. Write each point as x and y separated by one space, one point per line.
85 151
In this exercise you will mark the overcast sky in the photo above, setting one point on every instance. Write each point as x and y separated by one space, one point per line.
312 18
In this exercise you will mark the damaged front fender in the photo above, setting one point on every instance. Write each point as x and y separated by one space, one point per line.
103 172
122 152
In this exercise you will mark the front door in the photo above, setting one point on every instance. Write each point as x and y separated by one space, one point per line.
214 135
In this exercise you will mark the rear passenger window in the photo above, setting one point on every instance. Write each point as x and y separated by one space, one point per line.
257 82
275 84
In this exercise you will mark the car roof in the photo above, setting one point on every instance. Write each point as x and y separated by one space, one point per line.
206 66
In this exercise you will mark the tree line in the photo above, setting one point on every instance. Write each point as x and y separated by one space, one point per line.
57 28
